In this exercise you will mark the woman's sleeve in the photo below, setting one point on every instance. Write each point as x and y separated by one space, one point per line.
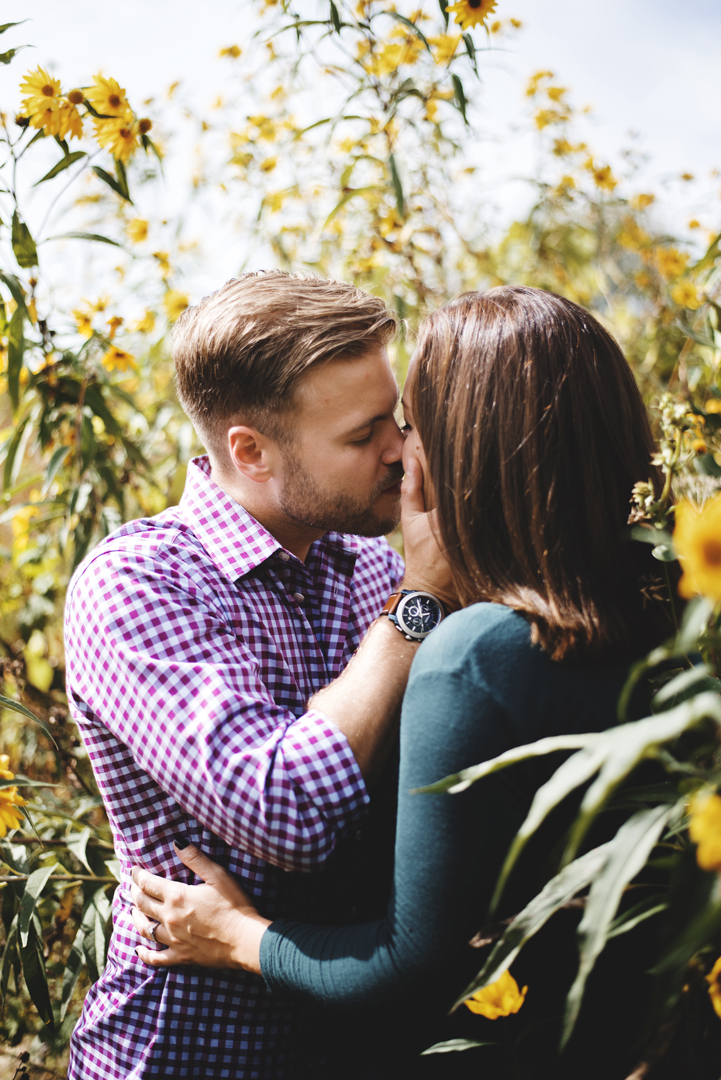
449 849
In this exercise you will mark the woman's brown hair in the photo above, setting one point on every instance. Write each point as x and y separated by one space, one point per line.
544 435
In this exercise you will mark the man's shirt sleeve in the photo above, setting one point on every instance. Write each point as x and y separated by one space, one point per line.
160 668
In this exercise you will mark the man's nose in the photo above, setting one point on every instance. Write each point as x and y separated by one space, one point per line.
394 449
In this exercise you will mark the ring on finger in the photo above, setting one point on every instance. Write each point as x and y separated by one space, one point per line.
151 932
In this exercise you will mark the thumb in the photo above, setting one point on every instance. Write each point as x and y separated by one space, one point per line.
412 500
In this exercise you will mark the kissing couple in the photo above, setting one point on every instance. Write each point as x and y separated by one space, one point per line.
289 906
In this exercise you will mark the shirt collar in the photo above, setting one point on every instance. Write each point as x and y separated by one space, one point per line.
234 540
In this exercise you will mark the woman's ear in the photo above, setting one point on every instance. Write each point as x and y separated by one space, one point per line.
250 453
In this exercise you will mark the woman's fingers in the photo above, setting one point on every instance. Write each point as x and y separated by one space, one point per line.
200 864
163 958
150 907
412 500
144 926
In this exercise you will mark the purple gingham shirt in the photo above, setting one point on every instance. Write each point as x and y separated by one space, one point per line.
194 641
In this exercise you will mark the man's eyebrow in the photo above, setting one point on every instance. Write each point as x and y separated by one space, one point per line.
373 419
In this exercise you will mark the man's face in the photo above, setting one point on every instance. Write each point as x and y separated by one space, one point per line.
342 467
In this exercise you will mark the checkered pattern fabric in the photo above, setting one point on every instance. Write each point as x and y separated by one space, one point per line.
194 641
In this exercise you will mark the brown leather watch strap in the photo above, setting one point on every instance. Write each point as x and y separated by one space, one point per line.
392 603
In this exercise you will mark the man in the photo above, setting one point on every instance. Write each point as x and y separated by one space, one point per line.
197 639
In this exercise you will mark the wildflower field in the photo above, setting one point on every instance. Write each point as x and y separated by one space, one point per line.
382 189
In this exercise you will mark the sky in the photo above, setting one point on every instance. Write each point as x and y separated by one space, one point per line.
648 68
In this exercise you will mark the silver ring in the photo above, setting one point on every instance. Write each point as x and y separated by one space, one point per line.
151 932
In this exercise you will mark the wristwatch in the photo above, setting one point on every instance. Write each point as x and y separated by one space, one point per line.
414 613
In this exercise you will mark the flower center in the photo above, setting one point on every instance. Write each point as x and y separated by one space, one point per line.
114 101
712 552
475 4
48 90
75 97
124 133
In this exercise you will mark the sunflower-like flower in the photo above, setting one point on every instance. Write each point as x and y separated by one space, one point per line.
697 539
116 359
705 831
39 88
137 230
714 990
501 998
107 97
119 136
175 303
10 801
686 295
470 13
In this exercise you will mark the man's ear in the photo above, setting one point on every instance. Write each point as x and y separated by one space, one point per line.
251 453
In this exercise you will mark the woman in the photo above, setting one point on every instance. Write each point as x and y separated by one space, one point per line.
530 430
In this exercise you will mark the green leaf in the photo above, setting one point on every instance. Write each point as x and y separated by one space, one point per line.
613 754
95 921
6 57
16 290
557 892
7 25
23 244
64 163
411 26
28 904
444 11
454 1044
15 706
471 50
347 195
10 958
84 236
700 339
111 182
675 691
78 845
14 456
122 179
16 352
36 978
629 850
645 909
706 465
458 782
54 465
649 535
19 780
397 187
148 144
694 623
664 553
334 17
461 100
73 966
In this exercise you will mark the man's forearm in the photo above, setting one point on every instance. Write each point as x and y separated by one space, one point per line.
364 702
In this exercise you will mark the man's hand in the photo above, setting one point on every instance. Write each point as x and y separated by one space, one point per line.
427 568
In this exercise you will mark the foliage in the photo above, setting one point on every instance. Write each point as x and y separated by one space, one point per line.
383 187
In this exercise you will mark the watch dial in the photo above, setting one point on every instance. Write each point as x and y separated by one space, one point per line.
421 614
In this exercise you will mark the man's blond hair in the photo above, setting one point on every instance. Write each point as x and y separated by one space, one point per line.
240 353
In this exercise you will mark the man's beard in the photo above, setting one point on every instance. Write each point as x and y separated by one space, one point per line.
304 501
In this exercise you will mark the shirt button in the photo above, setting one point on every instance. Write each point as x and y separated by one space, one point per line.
284 556
299 597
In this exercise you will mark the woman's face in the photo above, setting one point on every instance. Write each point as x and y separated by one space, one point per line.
413 446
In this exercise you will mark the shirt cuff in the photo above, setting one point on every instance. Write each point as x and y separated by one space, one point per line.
320 762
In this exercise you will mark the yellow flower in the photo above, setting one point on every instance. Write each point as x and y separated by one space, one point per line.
233 51
117 360
164 262
83 322
686 295
107 97
705 830
640 202
10 801
114 324
269 164
713 405
38 88
686 176
714 990
175 303
670 262
137 230
445 46
694 223
470 13
70 122
119 136
603 177
501 998
145 325
555 93
697 539
535 81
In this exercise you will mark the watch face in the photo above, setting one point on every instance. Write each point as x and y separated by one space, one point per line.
418 614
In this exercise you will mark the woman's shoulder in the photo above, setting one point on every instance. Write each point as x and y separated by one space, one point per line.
484 636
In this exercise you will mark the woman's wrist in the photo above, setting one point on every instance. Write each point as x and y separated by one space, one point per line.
246 937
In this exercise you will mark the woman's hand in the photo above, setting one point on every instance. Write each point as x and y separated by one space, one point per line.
214 925
427 567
